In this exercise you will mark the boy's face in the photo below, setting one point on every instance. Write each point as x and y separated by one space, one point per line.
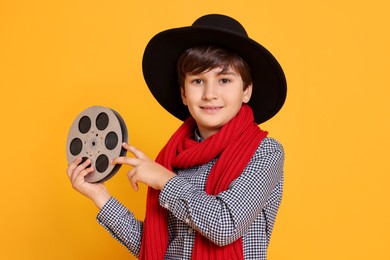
214 97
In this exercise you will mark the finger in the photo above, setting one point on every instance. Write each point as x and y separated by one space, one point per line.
83 165
125 160
126 146
82 174
73 166
133 179
135 186
134 150
79 168
85 172
131 173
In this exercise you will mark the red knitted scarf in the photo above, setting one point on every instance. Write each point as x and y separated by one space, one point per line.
235 145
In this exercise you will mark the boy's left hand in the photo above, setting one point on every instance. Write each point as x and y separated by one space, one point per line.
144 169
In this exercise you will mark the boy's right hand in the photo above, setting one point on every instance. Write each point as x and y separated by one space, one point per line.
97 192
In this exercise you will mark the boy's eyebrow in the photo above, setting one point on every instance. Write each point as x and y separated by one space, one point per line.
227 71
223 71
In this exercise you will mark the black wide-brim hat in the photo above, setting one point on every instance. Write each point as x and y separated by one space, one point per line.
164 49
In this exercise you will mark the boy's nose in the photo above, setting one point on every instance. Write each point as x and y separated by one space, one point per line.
210 91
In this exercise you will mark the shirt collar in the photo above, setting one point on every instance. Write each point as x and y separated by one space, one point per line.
198 138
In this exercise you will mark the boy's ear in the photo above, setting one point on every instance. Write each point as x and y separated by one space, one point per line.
247 94
183 95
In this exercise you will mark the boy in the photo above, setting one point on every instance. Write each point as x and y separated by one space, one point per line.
216 186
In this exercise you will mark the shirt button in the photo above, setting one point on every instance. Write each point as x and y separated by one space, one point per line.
166 205
190 231
187 220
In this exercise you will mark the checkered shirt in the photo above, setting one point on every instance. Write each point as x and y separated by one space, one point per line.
246 209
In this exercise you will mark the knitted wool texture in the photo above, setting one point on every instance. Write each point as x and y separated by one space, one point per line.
234 146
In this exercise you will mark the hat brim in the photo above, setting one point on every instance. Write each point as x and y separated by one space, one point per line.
160 68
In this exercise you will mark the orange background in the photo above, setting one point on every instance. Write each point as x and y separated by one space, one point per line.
59 57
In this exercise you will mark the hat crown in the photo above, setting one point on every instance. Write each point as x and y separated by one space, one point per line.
220 22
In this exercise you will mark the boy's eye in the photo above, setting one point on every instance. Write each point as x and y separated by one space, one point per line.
197 81
224 81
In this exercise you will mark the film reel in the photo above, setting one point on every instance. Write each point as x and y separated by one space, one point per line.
97 134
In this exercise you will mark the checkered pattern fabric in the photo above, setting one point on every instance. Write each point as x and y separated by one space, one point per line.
247 209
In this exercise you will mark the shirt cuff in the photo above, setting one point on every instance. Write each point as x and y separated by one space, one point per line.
110 212
175 196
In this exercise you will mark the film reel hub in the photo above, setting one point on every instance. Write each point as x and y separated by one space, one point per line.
97 134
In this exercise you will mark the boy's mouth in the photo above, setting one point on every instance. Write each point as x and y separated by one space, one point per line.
211 109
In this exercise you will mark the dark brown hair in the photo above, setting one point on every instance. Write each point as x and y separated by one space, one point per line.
200 59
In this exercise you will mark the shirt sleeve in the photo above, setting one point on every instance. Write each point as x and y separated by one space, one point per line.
122 225
225 217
